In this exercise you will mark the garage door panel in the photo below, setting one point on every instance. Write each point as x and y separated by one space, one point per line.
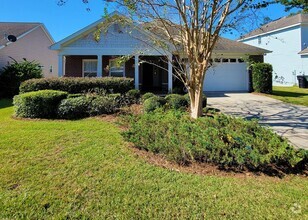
227 77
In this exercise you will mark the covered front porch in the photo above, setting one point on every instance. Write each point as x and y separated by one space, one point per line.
154 73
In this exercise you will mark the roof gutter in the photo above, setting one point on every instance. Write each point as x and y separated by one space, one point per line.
269 32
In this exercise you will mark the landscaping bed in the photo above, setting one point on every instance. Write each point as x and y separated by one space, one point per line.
227 142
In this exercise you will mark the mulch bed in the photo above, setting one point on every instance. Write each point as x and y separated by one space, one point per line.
205 169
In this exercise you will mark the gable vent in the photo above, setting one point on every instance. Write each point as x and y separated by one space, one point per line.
117 28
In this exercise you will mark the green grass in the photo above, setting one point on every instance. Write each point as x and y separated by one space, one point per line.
292 95
84 170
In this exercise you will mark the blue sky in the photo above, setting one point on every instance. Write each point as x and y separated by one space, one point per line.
61 21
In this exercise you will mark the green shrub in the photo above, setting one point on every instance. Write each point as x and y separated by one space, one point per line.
176 101
147 96
104 105
12 75
79 85
177 90
39 104
74 108
115 95
153 103
262 77
75 95
225 141
204 99
208 110
133 96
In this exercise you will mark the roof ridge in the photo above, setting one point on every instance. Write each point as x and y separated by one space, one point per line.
19 22
22 22
280 23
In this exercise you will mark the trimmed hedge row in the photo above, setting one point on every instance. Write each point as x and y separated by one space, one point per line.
59 104
262 74
39 104
75 85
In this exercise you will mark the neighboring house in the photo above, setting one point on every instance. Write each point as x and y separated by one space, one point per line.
287 38
33 42
80 55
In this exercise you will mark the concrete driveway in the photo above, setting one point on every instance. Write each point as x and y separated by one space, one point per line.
290 121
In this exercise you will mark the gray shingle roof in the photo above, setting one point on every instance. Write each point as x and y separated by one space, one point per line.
223 45
230 46
14 28
278 24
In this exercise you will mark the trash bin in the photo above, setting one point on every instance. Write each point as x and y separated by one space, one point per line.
302 82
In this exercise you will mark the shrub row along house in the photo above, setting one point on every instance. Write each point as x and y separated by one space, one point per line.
31 41
288 39
93 52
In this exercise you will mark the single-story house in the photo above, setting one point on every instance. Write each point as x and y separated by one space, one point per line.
30 41
83 55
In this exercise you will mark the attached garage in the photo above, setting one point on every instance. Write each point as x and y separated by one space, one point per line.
227 75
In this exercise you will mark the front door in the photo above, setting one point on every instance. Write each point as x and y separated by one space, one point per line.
147 72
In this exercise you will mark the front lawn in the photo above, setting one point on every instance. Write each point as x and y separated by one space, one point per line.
292 95
84 169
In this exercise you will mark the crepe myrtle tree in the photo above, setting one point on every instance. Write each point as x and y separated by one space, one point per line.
187 29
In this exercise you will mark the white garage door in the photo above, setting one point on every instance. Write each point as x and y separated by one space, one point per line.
227 76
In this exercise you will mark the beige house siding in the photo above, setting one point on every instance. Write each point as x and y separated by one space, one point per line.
33 46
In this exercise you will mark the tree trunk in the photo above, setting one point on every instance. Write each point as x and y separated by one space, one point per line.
195 102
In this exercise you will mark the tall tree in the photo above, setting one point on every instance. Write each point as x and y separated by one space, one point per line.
188 29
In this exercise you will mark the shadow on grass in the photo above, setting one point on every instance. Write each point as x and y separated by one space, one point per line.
4 103
289 94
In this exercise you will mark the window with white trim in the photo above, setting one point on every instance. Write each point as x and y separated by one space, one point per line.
116 69
89 68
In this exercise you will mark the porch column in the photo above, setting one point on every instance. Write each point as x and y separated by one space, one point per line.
60 65
136 72
170 74
99 66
